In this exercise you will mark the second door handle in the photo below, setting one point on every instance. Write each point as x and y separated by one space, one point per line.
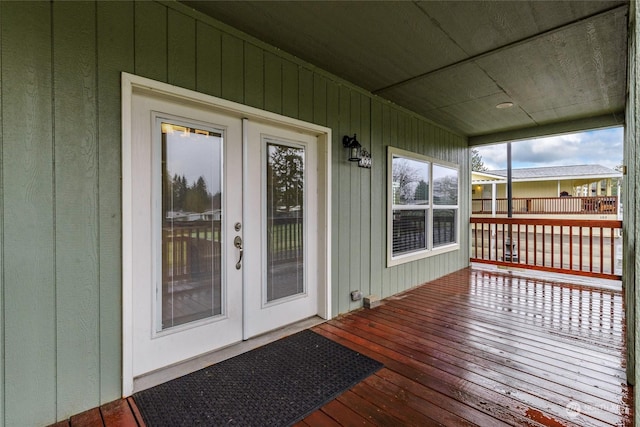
237 242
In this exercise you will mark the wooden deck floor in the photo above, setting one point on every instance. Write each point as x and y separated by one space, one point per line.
484 348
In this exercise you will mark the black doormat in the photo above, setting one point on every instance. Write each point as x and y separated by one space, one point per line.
275 385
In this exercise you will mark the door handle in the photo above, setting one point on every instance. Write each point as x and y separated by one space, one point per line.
237 242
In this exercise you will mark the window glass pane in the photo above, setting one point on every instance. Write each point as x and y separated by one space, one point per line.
444 227
410 181
191 224
409 231
445 185
285 221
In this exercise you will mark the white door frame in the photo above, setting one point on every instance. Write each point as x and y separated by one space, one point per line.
131 83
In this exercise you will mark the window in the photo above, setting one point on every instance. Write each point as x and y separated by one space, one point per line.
422 214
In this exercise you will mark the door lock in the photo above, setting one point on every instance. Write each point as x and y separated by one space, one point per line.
237 242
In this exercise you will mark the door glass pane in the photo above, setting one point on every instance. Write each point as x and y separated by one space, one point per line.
285 221
191 224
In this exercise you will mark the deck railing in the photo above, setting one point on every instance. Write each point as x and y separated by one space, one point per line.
582 247
193 248
550 205
190 249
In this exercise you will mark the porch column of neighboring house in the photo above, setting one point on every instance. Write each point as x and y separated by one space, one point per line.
492 243
619 208
493 199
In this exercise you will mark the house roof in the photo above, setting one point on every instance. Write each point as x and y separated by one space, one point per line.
548 173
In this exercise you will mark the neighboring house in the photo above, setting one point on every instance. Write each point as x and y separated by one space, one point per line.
561 191
95 93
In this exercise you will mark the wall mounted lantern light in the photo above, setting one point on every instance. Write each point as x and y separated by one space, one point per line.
354 147
356 152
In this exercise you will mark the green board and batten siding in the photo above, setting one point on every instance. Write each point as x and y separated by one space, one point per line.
28 268
60 222
631 201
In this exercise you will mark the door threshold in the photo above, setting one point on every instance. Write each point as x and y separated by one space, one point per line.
178 370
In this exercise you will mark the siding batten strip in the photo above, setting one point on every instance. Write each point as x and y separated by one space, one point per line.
115 54
2 267
353 200
208 59
181 50
76 207
365 199
29 320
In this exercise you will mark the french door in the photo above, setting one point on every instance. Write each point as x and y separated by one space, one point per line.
224 229
281 235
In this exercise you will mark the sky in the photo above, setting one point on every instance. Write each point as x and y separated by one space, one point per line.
597 147
195 156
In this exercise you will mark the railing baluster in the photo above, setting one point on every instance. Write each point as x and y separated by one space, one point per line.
481 239
494 256
518 245
552 245
591 249
544 245
601 250
561 246
535 244
502 243
526 243
581 245
570 248
612 250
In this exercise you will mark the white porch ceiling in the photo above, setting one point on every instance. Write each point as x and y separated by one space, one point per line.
562 63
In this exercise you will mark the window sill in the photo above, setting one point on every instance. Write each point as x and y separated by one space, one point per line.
415 256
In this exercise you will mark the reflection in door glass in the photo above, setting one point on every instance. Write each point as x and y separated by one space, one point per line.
191 224
285 221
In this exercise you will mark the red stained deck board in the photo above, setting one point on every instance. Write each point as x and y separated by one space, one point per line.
344 415
375 414
90 418
118 414
476 347
135 411
318 419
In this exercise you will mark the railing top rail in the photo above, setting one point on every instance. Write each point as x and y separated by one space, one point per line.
551 221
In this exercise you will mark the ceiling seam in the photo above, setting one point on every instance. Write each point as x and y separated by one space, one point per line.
435 22
495 82
516 43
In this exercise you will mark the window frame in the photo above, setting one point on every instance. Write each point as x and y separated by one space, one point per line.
431 249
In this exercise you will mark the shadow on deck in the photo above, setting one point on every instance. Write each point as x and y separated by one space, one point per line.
486 348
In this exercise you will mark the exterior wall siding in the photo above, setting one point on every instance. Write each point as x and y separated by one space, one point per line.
60 182
630 195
